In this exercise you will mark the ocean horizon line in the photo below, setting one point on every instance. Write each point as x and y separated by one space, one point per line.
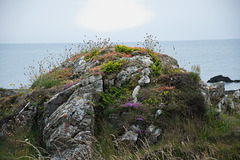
29 43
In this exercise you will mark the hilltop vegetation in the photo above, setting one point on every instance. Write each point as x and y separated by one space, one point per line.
110 101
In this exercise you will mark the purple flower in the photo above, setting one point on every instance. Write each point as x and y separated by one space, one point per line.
140 131
133 105
140 119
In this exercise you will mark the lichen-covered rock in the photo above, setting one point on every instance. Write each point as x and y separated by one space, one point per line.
125 75
81 66
158 113
226 104
145 77
144 60
205 92
236 94
135 93
217 89
152 133
70 128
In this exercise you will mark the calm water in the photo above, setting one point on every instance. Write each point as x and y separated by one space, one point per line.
215 57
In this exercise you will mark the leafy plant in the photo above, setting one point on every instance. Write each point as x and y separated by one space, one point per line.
111 67
156 66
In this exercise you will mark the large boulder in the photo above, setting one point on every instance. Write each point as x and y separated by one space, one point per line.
70 128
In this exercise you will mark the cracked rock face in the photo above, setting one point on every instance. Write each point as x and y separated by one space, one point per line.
70 127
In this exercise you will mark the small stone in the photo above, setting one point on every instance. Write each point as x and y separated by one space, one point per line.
129 136
135 93
158 113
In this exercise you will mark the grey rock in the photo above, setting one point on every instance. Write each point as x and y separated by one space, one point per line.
81 66
134 128
152 134
125 75
145 79
225 104
81 152
167 60
135 93
129 136
150 130
217 90
158 113
69 129
144 60
205 92
236 94
57 100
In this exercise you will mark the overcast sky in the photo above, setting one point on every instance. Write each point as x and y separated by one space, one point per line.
61 21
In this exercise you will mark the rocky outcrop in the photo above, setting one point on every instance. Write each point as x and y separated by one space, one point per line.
236 94
221 78
226 104
7 92
206 93
141 104
70 128
217 89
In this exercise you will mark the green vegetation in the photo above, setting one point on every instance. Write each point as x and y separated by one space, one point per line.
156 66
111 67
125 49
194 76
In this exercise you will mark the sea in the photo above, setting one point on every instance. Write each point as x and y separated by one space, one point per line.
215 57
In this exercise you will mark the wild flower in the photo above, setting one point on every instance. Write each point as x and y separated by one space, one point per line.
140 131
139 119
133 105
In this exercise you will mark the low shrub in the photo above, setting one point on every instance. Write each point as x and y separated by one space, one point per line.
194 76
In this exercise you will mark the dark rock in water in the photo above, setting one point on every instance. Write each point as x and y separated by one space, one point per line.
219 78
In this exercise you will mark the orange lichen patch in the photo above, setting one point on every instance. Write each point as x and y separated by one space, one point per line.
163 88
108 56
124 55
164 55
76 56
93 69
